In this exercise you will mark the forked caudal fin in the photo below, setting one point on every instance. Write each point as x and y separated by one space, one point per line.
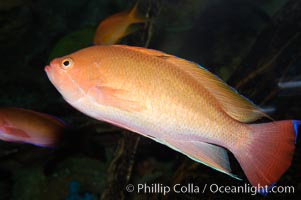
268 152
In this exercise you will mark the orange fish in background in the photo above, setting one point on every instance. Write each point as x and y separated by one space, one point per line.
177 103
26 126
112 29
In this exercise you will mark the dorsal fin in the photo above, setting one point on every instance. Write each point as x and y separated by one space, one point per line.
235 105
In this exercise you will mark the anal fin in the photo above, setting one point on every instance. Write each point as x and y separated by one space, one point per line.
208 154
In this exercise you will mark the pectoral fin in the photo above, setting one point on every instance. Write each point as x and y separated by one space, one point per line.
15 132
116 98
205 153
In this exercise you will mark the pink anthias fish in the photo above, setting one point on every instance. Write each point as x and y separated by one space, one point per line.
27 126
177 103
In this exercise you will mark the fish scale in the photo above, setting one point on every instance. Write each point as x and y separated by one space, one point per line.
193 101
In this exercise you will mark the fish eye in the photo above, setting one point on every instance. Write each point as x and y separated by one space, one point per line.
66 63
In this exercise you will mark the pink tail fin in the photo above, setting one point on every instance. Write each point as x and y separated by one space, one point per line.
269 152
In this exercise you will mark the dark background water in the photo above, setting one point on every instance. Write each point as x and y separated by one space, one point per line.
251 44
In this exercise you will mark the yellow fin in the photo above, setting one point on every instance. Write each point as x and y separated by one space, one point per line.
134 10
135 16
234 104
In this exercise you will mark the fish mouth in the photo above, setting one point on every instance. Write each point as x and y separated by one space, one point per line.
54 76
49 72
47 68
